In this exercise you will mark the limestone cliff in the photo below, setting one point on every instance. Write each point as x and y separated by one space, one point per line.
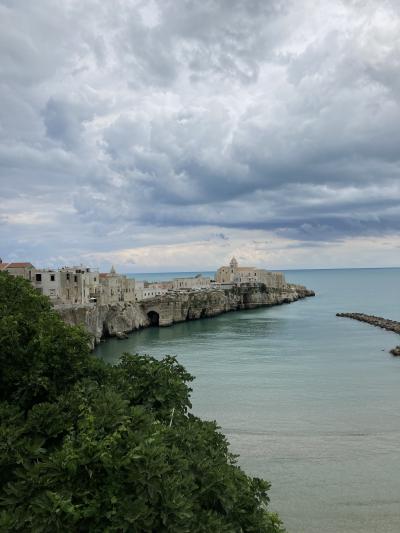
116 319
104 320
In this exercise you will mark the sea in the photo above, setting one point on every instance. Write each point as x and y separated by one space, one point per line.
309 401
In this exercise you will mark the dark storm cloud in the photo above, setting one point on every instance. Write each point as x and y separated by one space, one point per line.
270 115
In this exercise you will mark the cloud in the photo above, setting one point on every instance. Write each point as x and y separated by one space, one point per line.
167 118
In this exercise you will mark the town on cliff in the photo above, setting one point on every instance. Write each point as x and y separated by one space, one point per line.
83 285
111 304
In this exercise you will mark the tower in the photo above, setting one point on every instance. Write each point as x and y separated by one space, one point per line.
233 264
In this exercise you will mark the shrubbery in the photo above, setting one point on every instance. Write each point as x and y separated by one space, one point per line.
89 447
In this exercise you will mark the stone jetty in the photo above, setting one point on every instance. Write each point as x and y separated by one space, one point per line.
384 323
116 320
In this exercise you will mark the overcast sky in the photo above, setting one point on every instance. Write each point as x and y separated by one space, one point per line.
171 134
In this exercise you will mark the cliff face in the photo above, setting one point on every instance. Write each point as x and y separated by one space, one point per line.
173 308
115 320
104 320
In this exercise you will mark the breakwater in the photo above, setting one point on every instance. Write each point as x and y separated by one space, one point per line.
384 323
116 320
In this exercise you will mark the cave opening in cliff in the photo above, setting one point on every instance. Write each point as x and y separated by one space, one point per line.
154 318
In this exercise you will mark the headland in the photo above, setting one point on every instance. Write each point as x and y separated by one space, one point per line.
110 304
119 319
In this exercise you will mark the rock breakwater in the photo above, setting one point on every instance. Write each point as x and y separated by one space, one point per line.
384 323
102 321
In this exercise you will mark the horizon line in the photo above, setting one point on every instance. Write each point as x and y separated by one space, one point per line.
272 269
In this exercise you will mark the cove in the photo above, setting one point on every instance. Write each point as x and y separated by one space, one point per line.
309 401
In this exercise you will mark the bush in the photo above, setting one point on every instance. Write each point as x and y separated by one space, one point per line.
89 447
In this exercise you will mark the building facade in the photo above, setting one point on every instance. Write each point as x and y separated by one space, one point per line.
234 274
75 285
23 270
115 288
198 282
145 290
68 285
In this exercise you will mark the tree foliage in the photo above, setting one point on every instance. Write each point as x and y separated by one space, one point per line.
89 447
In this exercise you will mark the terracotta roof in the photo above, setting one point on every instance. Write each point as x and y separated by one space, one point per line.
17 265
103 274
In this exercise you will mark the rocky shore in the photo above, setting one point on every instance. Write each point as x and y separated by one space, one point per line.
102 321
384 323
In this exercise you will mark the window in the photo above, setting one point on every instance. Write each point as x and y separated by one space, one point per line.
95 279
38 277
76 279
68 276
52 277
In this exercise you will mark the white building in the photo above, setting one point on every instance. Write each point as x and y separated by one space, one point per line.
67 285
233 274
145 290
48 282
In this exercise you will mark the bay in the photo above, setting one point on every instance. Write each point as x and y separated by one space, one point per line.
310 401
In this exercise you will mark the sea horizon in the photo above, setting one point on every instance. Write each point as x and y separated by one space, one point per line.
266 268
166 275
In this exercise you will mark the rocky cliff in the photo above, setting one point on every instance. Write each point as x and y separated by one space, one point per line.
104 320
118 319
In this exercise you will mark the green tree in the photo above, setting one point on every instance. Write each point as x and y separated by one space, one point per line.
89 447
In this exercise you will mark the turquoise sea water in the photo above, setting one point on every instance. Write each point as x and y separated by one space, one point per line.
310 401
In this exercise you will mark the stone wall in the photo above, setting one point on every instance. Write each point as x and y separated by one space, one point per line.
118 319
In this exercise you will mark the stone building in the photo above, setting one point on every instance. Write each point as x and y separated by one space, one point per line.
145 290
24 270
75 285
115 288
198 282
234 274
48 283
68 285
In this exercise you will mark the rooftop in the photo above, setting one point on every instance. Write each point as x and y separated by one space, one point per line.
4 266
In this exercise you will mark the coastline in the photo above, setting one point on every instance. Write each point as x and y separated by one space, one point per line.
117 320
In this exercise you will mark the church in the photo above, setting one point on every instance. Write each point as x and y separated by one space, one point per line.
234 274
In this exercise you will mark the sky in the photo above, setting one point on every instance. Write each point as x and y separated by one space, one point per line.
169 135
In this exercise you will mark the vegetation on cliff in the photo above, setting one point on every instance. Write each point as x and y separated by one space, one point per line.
89 447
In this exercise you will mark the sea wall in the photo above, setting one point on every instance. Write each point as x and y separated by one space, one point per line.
378 321
102 321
